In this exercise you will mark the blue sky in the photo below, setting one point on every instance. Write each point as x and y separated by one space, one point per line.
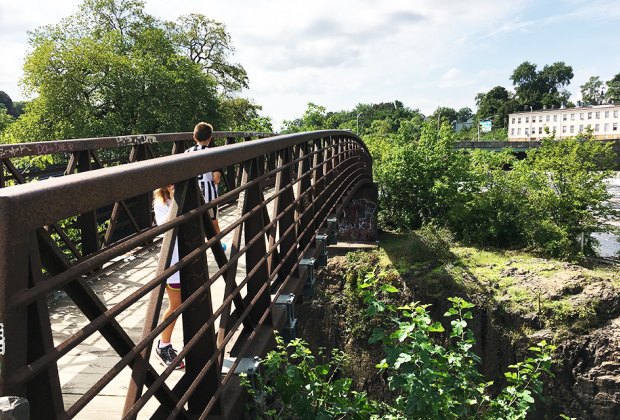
337 54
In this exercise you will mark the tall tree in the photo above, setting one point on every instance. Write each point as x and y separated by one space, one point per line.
111 69
496 104
207 43
443 113
542 88
613 89
592 91
464 114
7 102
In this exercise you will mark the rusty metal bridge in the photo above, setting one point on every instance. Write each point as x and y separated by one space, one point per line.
94 208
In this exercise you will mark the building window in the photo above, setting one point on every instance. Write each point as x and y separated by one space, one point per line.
512 131
606 114
513 120
564 117
597 115
589 115
606 127
519 120
518 131
527 132
597 127
616 113
580 128
539 130
581 116
564 129
615 127
540 118
554 130
547 119
572 128
572 117
555 118
527 119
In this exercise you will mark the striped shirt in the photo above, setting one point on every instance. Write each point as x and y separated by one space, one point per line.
205 181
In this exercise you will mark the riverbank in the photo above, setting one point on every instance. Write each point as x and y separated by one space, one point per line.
521 299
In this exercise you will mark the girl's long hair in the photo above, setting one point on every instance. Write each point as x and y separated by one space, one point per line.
161 195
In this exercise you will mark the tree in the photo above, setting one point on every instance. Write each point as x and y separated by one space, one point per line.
443 113
7 103
207 43
592 91
111 69
241 114
464 114
5 120
613 89
545 87
496 104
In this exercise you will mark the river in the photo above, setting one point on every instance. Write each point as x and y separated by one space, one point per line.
609 242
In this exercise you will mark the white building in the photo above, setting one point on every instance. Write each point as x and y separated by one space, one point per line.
604 120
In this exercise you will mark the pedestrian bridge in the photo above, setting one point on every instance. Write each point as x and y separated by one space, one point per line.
82 266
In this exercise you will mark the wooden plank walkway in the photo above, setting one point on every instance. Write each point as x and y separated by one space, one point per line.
89 361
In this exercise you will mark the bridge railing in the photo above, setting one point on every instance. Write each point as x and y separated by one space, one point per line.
88 232
316 174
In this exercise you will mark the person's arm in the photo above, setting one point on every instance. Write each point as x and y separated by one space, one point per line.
217 175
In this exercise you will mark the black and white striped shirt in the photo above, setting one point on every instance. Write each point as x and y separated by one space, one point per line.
205 181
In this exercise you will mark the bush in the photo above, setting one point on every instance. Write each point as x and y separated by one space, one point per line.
429 380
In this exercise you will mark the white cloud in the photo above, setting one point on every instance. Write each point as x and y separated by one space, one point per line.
337 54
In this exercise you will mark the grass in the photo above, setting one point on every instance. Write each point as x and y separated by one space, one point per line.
520 282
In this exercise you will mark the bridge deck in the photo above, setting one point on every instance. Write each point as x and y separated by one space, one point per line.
87 363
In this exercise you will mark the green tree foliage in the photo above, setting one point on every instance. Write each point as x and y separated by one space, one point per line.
5 120
496 104
428 380
613 89
112 69
418 181
546 202
592 91
444 113
7 103
545 87
207 43
241 114
464 114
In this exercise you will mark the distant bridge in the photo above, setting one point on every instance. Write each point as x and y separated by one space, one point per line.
55 233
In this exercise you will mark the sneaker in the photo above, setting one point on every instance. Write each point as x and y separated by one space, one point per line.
167 355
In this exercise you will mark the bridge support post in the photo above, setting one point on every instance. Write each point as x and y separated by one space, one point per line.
289 332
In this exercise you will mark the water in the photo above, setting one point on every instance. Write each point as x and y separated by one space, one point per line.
609 244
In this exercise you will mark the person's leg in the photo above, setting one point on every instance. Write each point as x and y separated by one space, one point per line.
174 301
164 347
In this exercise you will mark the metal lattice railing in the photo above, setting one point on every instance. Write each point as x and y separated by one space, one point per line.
314 175
88 232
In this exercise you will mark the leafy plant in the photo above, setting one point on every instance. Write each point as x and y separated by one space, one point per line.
428 379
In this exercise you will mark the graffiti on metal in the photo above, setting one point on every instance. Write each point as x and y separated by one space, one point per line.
131 140
15 150
359 219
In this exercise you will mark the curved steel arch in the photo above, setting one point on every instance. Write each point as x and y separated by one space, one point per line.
316 175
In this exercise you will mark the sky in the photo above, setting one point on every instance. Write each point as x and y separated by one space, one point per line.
424 53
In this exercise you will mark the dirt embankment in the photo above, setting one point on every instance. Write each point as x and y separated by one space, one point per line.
520 301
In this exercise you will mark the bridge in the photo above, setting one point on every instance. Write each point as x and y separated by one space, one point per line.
286 195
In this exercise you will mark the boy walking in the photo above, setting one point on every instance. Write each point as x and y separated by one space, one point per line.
203 135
